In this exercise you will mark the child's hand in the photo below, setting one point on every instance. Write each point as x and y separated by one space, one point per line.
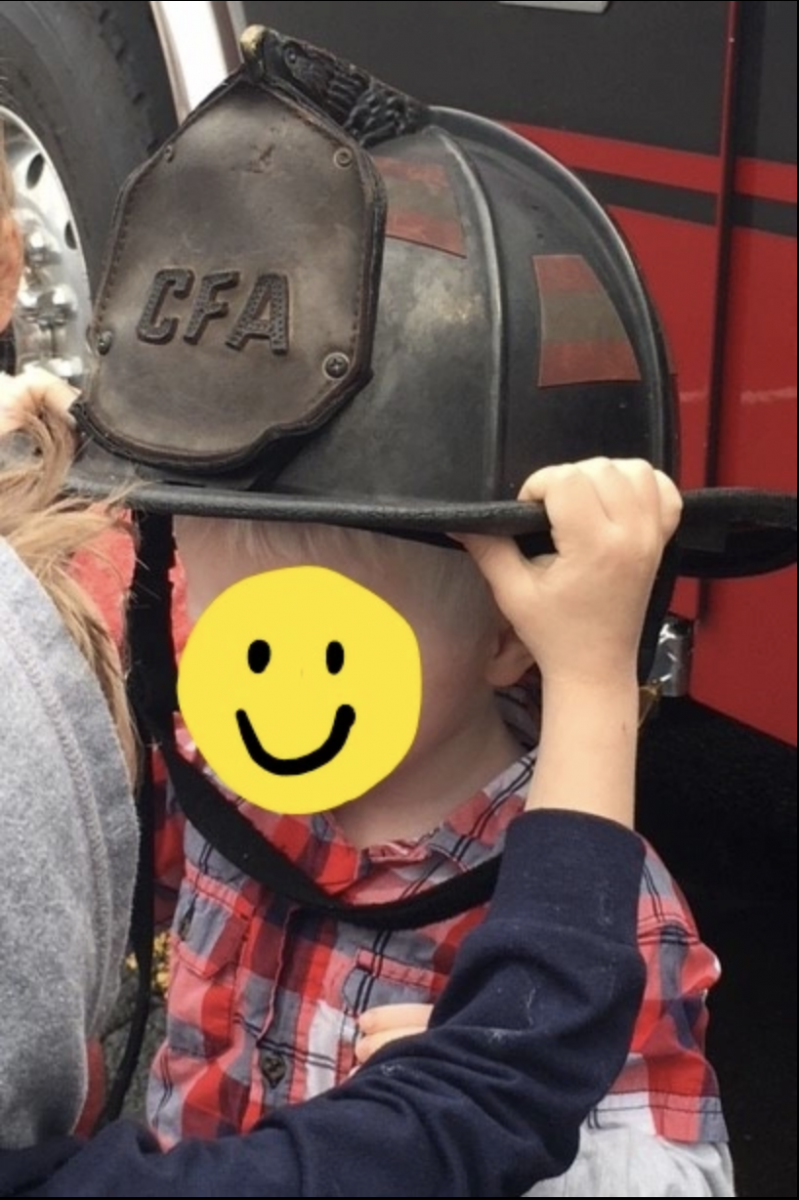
379 1026
580 611
29 393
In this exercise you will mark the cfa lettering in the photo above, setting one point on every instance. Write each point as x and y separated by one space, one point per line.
264 316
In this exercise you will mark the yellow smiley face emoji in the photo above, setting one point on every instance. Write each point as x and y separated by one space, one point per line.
301 689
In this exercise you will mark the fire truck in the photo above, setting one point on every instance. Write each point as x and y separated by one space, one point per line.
681 117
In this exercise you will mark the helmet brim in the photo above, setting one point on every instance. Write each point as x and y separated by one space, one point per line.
724 533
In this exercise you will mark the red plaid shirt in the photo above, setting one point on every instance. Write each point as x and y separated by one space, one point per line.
264 998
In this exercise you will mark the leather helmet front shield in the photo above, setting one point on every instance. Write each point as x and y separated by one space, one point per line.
238 303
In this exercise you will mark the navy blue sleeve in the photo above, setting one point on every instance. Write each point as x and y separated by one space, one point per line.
530 1033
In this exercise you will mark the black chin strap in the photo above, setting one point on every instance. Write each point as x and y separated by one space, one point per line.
229 832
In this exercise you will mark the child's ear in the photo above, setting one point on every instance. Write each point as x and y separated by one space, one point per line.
508 660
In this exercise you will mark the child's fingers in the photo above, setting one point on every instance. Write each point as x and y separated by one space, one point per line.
671 504
368 1046
394 1016
494 555
625 489
385 1024
30 392
621 489
536 486
658 497
570 496
505 569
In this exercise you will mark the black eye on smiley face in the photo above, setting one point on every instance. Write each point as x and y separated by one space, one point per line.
259 656
335 658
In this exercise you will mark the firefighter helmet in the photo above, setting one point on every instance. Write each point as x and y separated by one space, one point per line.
339 305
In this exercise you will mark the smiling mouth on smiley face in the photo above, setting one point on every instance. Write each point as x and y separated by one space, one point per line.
259 657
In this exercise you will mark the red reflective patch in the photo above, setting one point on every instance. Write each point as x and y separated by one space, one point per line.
587 362
421 206
583 339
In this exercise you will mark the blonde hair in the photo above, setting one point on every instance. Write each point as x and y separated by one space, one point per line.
446 582
46 531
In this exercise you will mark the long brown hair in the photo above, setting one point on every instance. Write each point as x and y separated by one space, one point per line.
45 531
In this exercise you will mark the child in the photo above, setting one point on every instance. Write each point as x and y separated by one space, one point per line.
264 1002
506 329
471 1108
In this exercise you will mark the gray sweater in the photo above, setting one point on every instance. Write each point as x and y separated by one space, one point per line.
64 798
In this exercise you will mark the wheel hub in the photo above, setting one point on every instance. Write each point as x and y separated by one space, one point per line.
53 309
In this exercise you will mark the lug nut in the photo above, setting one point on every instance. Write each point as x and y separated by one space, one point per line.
60 306
29 304
38 249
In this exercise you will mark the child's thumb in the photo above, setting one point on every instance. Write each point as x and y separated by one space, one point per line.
499 561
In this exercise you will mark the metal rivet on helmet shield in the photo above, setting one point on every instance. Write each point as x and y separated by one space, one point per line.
337 366
344 159
104 342
252 45
169 152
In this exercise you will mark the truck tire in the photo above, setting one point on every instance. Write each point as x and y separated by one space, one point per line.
84 98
